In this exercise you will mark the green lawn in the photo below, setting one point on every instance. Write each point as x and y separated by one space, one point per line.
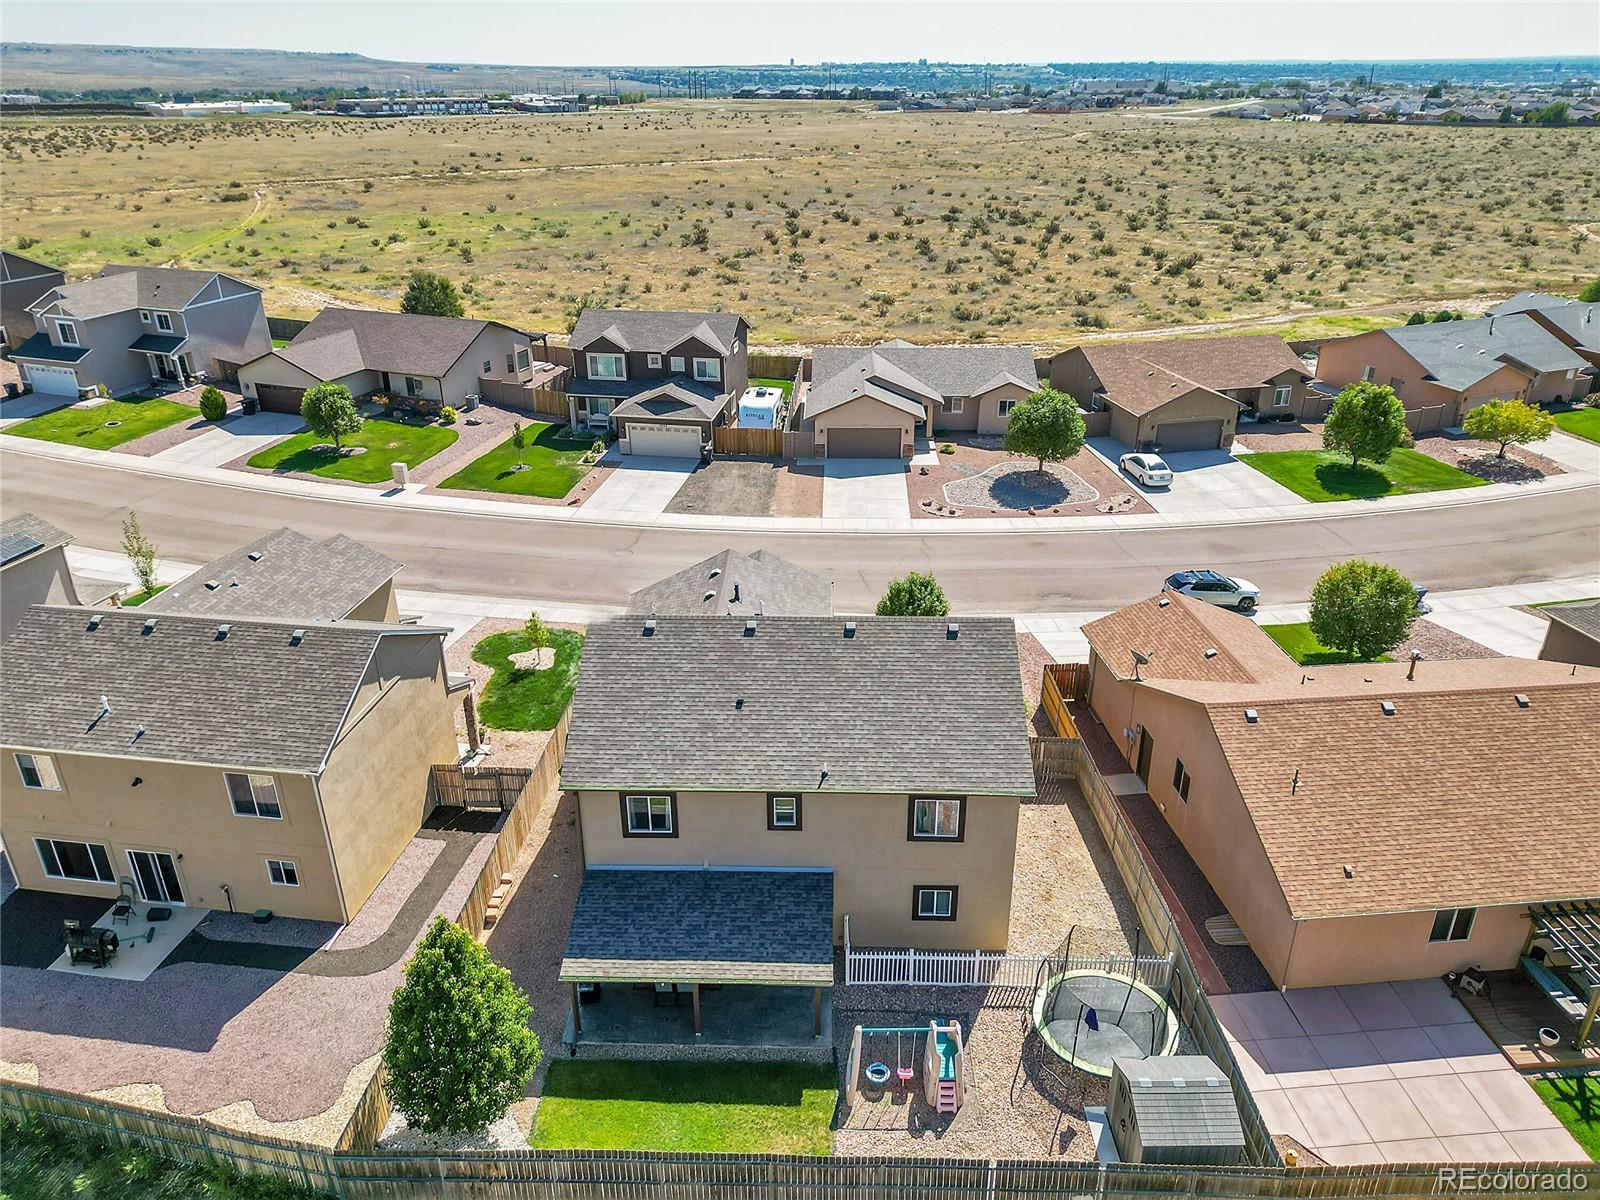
729 1108
1321 475
139 598
553 465
1583 422
517 699
87 426
784 385
1300 644
278 343
1564 603
1576 1100
385 441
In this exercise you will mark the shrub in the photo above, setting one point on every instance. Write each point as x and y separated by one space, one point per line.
429 294
947 447
915 595
213 404
448 415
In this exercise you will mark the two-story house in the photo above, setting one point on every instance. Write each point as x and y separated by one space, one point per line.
661 380
22 281
130 327
745 783
1186 393
875 403
437 360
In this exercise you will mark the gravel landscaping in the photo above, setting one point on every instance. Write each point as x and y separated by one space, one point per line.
982 479
1017 486
1467 454
730 487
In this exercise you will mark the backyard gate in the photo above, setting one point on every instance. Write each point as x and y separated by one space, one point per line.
494 789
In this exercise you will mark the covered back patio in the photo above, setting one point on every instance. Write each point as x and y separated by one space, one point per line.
701 963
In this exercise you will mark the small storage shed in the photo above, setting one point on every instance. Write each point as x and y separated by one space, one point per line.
1174 1111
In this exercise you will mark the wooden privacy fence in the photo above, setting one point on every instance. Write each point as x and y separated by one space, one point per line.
763 443
774 366
1062 682
493 788
524 397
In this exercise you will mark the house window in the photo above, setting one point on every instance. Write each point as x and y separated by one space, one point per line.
1180 779
144 315
1097 402
67 332
933 902
62 859
652 360
524 359
937 818
283 873
413 386
952 404
164 322
488 365
1006 406
1452 924
254 795
607 366
1367 374
511 364
650 816
38 772
783 812
707 370
1280 397
675 365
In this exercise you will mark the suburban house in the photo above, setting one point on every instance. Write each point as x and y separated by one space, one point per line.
661 380
1187 393
1573 635
289 575
432 361
745 785
1344 814
1575 322
22 281
130 327
236 764
738 585
876 402
1443 370
33 568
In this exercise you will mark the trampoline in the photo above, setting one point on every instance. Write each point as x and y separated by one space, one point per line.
1090 1017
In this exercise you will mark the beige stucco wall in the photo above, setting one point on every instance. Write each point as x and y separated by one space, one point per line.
275 370
1371 949
862 837
375 788
864 412
42 578
1342 362
1562 643
988 405
380 606
1200 404
181 809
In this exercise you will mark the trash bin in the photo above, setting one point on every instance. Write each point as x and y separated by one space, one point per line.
250 406
12 390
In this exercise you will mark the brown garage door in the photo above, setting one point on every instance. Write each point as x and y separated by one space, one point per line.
277 398
1190 435
863 443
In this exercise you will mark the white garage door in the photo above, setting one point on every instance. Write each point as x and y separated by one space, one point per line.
676 441
53 381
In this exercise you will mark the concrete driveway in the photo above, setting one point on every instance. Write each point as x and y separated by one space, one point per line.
32 405
866 489
234 438
1205 484
641 484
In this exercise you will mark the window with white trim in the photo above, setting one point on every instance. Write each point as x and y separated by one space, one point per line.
413 386
488 365
164 322
282 872
1280 397
38 771
524 359
62 858
783 812
675 364
254 795
1367 374
649 816
937 818
1180 779
1007 405
511 364
67 332
652 360
934 904
707 370
144 315
607 366
952 404
1452 924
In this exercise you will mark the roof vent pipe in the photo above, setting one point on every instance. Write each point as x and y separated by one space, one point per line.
1416 657
953 630
735 597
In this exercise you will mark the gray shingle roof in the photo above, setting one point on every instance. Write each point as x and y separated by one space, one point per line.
257 697
1459 353
1198 1111
39 348
14 267
898 706
655 332
291 576
1578 319
25 534
707 926
341 341
671 399
759 581
157 343
897 372
118 288
1585 618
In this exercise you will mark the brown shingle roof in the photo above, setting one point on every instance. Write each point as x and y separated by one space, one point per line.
1175 632
1140 377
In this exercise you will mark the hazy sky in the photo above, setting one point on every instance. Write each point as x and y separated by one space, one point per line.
669 32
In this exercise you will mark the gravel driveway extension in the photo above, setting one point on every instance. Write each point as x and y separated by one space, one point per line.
730 487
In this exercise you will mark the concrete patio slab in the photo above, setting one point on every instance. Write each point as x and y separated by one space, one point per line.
1467 1048
866 489
1386 1111
1351 1057
1544 1145
1350 1156
1321 1010
1329 1119
143 945
642 485
238 436
1267 1015
1479 1147
1413 1150
1280 1115
1407 1052
1430 1002
1294 1061
1376 1006
1447 1105
1509 1101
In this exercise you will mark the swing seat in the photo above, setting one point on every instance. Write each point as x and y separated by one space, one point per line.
906 1074
877 1073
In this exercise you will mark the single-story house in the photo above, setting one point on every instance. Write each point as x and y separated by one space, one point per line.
733 584
876 402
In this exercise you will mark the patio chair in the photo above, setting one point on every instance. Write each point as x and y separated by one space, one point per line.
122 911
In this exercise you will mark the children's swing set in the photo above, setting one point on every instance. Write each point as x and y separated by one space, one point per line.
936 1047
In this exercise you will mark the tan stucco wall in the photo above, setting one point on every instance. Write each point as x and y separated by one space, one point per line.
1342 362
861 837
1562 643
375 788
42 578
864 412
178 808
1395 946
380 606
1197 405
988 405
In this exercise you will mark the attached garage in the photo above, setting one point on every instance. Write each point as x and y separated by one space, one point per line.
670 441
1189 435
52 381
848 441
277 398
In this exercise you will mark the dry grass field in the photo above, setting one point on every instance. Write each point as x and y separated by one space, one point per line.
829 222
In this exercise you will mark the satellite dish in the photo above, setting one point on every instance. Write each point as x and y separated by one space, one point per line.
1140 657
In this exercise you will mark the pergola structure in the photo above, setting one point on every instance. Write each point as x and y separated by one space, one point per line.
1573 928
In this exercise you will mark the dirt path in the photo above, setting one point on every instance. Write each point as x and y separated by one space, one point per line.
261 194
1587 231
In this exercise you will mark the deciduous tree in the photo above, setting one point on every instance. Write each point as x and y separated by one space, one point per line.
431 295
141 552
1046 426
914 595
1509 422
1367 422
1363 608
329 410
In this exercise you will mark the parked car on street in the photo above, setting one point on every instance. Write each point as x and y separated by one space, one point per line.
1148 469
1215 588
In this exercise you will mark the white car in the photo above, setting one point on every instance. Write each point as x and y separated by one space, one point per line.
1215 588
1148 469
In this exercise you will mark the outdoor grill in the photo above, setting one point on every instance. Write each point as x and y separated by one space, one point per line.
92 945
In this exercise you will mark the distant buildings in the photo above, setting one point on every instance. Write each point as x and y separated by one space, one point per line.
412 106
213 108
